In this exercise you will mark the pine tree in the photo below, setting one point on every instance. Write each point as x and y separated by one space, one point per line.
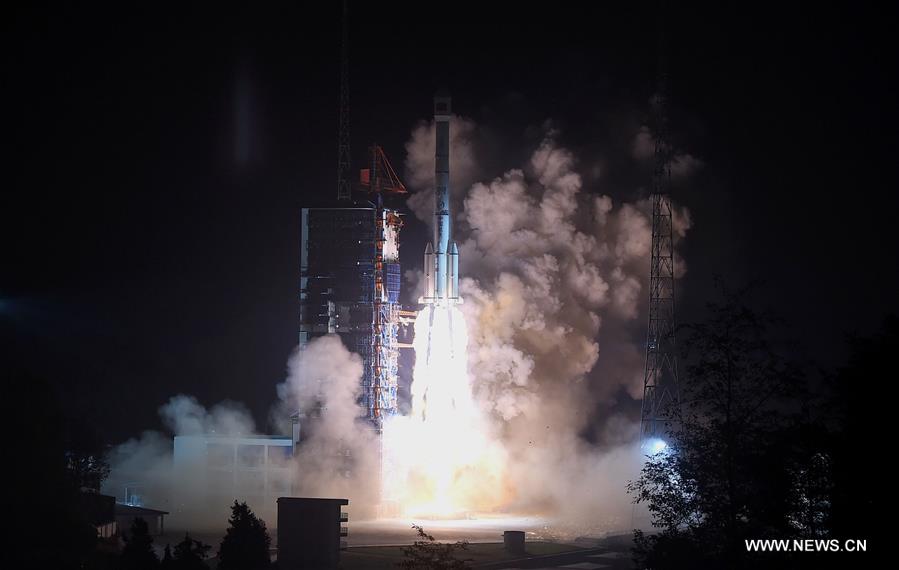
138 553
167 563
190 554
246 542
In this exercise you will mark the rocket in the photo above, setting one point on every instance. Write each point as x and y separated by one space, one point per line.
441 271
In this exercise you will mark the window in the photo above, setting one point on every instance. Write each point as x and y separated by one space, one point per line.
250 456
278 484
250 483
279 455
220 455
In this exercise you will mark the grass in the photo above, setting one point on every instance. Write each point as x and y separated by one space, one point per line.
387 557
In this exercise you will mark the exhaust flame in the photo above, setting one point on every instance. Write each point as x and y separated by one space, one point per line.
440 461
441 389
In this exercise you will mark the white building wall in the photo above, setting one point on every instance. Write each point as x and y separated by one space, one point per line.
211 472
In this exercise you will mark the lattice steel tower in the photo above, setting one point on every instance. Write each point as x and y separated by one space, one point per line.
660 383
343 128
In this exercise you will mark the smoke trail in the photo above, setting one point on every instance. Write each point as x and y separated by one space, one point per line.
554 287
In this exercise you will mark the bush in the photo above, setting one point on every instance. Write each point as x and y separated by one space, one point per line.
428 554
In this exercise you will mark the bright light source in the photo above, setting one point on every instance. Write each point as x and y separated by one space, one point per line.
439 461
655 445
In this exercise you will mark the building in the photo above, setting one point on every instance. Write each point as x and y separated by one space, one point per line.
310 532
99 510
350 285
125 515
212 471
350 278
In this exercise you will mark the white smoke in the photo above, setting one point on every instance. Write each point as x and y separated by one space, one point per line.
549 268
144 465
184 415
682 164
146 460
644 144
338 456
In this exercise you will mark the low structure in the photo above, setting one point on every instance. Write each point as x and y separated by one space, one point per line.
213 470
513 541
125 515
310 532
99 511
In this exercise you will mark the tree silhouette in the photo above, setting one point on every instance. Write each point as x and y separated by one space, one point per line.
47 489
167 562
86 463
857 421
190 554
246 543
138 552
428 554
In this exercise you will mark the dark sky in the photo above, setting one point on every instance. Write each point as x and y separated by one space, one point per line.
157 163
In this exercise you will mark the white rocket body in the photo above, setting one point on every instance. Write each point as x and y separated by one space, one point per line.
442 259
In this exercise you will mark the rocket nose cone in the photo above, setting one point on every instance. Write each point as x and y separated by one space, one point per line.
442 104
453 249
428 248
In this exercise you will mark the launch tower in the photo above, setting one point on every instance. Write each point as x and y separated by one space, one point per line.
350 272
660 383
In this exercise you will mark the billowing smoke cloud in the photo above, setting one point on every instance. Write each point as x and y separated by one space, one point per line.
184 415
682 164
338 456
554 284
144 467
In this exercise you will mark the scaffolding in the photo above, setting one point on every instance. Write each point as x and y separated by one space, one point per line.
385 328
381 390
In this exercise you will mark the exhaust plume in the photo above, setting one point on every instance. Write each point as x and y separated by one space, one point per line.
554 282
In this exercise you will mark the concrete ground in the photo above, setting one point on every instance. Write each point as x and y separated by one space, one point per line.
478 555
609 554
378 544
386 532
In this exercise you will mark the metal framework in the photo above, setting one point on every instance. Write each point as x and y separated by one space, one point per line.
343 129
385 325
660 381
381 394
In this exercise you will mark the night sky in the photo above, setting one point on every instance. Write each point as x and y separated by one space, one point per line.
157 163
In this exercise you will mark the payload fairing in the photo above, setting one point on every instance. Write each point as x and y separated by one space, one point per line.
441 271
